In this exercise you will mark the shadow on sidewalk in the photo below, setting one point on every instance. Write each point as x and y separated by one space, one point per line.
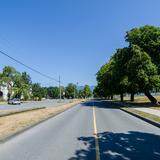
121 146
142 104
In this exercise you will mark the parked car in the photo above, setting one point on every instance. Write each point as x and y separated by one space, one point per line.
14 101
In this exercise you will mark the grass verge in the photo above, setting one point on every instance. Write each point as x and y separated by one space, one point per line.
157 108
143 114
3 102
141 101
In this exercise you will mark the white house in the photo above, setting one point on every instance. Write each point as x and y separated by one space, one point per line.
3 92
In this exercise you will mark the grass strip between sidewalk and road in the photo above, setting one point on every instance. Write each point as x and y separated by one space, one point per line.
144 115
4 113
14 124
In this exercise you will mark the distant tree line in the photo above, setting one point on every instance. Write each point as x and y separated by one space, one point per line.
19 85
132 69
70 91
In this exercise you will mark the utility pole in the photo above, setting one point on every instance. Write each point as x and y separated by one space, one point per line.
60 88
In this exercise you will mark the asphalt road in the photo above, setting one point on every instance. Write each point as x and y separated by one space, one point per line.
32 104
69 136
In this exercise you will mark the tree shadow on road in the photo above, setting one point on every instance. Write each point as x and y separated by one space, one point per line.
121 146
101 104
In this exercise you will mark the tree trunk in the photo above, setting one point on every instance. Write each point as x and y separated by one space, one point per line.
132 97
8 97
111 97
151 98
121 97
9 93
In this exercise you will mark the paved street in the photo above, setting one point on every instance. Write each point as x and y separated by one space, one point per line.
69 136
32 104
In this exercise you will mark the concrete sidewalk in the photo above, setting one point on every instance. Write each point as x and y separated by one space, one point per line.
148 110
140 108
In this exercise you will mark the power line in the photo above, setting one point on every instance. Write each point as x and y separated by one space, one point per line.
32 69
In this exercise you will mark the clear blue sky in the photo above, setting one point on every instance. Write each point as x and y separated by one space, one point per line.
71 38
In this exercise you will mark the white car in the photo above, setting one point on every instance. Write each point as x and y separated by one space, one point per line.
14 101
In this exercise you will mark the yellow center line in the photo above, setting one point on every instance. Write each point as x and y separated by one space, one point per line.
96 135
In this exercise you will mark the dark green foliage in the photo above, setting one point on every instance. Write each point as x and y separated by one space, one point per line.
148 39
71 91
141 71
134 68
85 92
26 78
53 92
37 91
18 84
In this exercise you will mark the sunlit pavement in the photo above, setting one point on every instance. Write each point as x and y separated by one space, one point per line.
69 136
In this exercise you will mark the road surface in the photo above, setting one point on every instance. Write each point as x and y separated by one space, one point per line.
32 104
69 136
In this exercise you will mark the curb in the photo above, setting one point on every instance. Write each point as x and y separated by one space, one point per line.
136 115
33 125
20 111
142 118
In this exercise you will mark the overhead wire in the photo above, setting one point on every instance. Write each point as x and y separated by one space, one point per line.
27 66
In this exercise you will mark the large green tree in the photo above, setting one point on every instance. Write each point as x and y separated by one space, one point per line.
142 73
112 77
87 91
37 91
26 78
119 78
21 88
71 90
53 92
135 68
103 76
148 39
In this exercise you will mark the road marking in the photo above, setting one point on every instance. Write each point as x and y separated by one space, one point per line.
96 135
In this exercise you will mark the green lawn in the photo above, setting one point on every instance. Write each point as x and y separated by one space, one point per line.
142 101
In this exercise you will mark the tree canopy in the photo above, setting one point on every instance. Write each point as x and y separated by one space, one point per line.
16 82
134 68
86 92
71 90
